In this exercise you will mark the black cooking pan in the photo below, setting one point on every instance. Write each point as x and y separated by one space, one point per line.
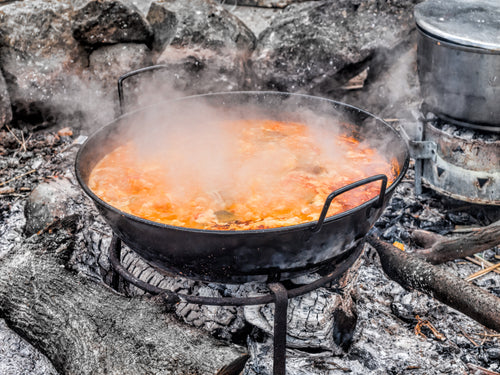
250 255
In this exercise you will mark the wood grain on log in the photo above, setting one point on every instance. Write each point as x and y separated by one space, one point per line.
86 328
440 249
412 272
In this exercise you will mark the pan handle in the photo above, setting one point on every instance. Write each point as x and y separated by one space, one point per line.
342 190
130 74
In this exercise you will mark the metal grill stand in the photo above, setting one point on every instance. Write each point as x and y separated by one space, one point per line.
278 295
463 168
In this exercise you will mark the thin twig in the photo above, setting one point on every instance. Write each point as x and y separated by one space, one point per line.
338 367
17 177
424 322
481 262
482 272
23 144
480 370
489 334
15 136
468 337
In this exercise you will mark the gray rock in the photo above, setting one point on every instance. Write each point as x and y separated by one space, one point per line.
256 19
209 26
109 21
108 63
164 24
39 57
5 110
41 29
49 204
317 46
200 70
209 49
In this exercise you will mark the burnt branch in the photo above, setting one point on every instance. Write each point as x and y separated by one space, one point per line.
86 328
439 249
412 272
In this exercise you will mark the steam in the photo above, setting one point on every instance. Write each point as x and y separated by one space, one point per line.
195 145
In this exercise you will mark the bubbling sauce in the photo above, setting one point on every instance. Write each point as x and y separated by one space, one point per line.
280 175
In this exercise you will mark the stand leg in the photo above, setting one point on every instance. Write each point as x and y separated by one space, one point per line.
419 163
280 315
115 249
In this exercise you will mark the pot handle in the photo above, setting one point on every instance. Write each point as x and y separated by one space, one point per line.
130 74
342 190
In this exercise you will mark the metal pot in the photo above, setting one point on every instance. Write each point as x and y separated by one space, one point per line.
459 60
251 255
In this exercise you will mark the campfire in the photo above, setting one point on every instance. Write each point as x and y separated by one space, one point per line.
314 249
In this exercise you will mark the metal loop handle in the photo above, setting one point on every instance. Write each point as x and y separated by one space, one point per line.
342 190
130 74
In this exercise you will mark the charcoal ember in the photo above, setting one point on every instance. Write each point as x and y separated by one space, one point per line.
365 356
488 284
318 46
403 311
495 291
209 49
5 106
439 226
462 218
51 204
398 203
493 353
40 58
109 21
395 233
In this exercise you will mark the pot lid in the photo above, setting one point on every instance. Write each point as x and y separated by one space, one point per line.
473 23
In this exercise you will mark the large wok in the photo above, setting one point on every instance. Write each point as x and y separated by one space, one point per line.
250 255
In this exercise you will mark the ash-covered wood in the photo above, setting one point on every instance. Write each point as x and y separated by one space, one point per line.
440 249
413 272
18 357
85 328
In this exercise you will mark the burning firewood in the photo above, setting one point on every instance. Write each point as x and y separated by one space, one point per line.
439 249
412 272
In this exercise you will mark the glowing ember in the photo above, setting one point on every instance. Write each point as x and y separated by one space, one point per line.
280 175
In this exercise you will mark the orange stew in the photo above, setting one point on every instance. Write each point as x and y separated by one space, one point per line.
281 174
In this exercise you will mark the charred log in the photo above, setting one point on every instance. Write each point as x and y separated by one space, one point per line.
85 328
439 249
412 272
